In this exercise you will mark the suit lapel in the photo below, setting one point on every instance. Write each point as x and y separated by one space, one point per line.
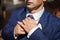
22 15
43 20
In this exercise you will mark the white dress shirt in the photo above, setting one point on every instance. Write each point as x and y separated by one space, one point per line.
37 17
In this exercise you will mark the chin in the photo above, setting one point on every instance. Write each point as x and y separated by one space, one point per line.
30 7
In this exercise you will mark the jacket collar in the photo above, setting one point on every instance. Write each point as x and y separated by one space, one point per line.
43 20
22 14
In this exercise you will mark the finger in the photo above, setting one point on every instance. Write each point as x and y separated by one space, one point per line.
21 29
22 32
24 22
22 25
29 18
18 23
33 20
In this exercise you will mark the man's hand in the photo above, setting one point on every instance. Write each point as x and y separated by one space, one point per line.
28 24
18 30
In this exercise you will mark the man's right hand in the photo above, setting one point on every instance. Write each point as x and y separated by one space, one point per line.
18 30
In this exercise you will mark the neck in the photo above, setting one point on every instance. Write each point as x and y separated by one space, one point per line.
36 9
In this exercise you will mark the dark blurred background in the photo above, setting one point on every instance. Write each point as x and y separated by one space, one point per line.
7 6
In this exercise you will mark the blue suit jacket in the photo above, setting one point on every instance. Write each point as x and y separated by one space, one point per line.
50 25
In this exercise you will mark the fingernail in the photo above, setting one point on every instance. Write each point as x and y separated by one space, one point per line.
19 22
29 18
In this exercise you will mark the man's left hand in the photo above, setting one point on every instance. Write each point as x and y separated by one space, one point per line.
27 24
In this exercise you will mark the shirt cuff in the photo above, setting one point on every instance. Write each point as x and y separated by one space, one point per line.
32 31
15 36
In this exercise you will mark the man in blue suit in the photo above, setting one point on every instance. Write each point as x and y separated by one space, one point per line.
32 23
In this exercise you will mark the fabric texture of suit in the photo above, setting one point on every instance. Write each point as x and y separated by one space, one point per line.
50 27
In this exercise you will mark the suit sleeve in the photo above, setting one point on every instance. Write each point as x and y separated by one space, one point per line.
7 32
39 35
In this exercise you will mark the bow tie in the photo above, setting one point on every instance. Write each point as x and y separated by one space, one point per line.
30 16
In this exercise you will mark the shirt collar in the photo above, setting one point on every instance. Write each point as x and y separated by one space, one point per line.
36 15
